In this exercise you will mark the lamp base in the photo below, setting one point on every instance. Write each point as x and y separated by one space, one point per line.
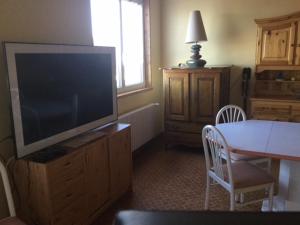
195 60
195 63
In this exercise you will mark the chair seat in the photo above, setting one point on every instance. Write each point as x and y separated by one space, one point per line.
247 175
238 157
11 221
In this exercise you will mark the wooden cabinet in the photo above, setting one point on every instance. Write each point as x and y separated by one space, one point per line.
278 42
277 86
192 100
73 183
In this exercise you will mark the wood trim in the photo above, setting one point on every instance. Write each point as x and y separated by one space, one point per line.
147 44
128 93
278 18
258 45
297 45
261 68
292 43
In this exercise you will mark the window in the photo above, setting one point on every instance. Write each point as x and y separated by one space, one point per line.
124 24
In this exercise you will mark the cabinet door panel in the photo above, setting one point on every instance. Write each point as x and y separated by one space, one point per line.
120 163
177 96
97 175
277 44
205 96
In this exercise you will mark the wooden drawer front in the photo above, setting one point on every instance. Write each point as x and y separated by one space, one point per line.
271 117
184 138
67 196
73 214
62 172
183 127
276 109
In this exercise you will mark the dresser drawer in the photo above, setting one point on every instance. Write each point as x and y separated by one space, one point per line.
265 108
68 194
62 172
183 127
74 214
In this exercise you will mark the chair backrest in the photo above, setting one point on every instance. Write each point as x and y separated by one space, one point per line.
215 146
230 114
6 184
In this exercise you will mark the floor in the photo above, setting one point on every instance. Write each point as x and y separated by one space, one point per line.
172 179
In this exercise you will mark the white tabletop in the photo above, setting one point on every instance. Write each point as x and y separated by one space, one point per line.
265 138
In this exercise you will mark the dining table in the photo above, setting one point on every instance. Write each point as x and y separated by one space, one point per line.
273 139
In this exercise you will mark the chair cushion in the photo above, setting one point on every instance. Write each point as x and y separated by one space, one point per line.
11 221
246 175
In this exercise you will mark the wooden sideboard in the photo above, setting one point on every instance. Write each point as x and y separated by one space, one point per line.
73 184
277 75
192 100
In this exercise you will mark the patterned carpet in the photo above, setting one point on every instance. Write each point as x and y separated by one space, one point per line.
172 179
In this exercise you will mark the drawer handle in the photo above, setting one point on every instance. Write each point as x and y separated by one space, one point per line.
67 164
69 195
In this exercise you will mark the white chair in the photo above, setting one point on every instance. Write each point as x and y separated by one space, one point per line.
12 220
236 177
231 114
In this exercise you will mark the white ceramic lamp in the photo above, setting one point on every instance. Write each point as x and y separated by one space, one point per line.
195 33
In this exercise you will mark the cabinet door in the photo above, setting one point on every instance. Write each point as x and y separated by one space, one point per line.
120 163
275 44
205 96
176 96
97 174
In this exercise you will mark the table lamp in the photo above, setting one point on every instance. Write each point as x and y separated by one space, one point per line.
195 33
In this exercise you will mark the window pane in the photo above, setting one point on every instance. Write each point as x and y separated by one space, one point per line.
133 42
106 28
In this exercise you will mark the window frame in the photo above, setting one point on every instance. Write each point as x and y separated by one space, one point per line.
147 84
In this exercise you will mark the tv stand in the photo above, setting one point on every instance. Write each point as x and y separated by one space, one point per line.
73 182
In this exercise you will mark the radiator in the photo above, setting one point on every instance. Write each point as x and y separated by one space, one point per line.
145 124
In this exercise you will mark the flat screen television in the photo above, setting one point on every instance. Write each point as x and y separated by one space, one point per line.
59 91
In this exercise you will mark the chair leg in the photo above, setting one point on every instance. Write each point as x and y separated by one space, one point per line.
242 198
269 165
232 201
237 197
207 192
271 193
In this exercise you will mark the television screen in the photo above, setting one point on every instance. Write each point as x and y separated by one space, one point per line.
59 91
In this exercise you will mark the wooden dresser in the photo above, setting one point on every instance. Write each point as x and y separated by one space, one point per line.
277 86
82 178
192 100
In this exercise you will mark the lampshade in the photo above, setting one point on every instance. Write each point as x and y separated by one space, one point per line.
195 31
